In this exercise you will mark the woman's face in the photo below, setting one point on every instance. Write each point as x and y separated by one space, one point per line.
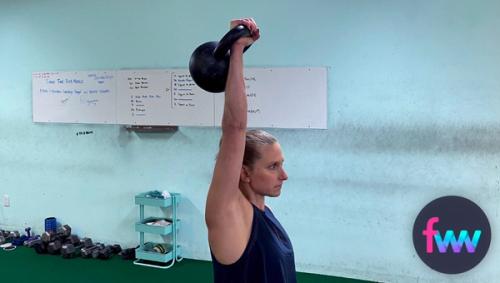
267 173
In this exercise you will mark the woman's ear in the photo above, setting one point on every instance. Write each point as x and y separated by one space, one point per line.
245 174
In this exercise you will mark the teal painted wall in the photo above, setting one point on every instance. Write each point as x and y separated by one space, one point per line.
413 114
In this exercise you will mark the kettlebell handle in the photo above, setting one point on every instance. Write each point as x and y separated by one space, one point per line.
229 39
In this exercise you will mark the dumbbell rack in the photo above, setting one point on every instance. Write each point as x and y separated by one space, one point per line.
144 254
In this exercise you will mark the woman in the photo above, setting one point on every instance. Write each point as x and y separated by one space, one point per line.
246 241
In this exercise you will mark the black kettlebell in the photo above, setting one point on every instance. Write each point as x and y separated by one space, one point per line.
209 63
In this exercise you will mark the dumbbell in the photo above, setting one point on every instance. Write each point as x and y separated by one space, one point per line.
72 239
4 233
116 249
54 247
128 254
40 247
70 250
31 242
7 236
107 252
49 236
87 252
14 235
101 250
2 237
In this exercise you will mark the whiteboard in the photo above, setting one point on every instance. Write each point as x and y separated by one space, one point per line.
283 98
74 97
277 98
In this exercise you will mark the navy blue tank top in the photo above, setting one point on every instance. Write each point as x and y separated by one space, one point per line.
268 256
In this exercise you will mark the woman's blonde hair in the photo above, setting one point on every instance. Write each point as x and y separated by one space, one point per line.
255 139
